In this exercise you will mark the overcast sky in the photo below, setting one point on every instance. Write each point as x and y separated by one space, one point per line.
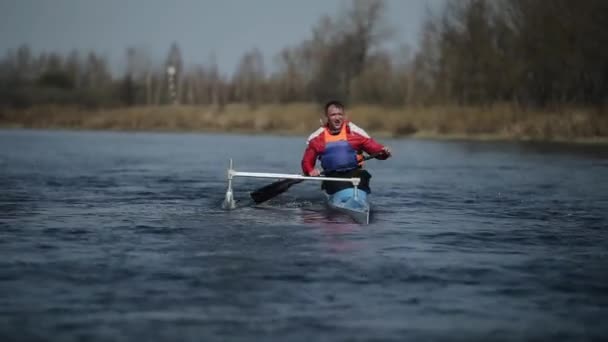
202 28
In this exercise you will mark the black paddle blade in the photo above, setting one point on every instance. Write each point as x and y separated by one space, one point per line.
273 190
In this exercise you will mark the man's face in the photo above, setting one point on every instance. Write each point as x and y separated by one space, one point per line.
335 117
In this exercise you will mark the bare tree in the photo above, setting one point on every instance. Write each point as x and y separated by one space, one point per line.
73 66
533 52
344 46
96 74
249 78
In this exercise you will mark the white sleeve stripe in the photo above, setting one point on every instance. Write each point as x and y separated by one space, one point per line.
314 134
357 129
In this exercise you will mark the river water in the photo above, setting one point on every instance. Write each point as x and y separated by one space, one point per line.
121 237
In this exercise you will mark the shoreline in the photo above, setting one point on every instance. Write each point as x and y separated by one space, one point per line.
500 123
375 135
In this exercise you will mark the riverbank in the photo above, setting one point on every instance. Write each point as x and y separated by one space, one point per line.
492 123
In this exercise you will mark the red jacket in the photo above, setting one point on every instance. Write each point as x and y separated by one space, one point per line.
356 136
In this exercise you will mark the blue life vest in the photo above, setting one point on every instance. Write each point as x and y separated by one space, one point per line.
338 155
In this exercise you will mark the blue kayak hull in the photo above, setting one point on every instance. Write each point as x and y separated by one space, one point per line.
344 201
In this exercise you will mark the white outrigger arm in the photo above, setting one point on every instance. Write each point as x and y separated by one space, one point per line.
229 202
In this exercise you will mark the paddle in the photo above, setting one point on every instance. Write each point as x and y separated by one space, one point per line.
274 189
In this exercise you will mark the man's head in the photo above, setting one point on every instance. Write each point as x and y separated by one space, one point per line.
334 111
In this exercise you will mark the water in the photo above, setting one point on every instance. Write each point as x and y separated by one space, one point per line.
116 236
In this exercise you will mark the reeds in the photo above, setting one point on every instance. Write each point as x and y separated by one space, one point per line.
491 122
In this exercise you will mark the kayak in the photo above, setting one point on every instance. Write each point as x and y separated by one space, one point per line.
352 202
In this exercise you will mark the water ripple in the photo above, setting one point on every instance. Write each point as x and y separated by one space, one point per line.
472 241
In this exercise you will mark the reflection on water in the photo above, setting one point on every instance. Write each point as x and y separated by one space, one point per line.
115 236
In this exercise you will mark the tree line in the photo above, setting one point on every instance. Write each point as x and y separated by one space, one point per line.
532 53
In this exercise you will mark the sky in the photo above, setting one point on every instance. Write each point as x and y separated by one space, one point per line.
204 29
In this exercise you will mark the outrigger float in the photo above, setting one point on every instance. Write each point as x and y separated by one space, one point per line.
351 201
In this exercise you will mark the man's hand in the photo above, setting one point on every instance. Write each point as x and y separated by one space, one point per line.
387 151
314 173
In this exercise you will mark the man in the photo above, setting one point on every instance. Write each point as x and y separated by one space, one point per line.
338 145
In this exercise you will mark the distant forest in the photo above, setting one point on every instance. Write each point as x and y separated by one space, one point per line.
530 53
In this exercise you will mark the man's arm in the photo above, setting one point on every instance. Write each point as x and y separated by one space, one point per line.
309 159
313 146
368 144
372 147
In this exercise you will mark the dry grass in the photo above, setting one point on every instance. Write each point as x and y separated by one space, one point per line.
496 122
